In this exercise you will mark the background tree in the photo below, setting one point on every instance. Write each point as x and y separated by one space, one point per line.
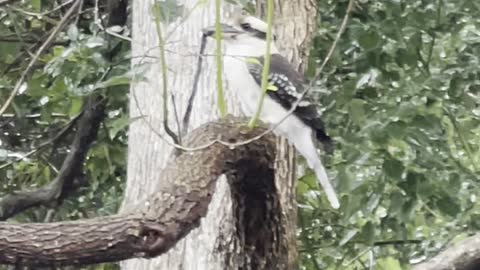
204 247
400 97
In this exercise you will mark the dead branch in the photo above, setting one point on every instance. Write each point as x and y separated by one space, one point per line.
185 188
72 167
196 78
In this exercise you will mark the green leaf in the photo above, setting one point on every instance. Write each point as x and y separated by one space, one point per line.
347 237
3 154
271 87
46 173
309 179
397 200
448 206
115 81
388 263
252 60
368 233
407 211
396 129
369 39
393 168
76 106
95 42
357 110
72 32
119 124
345 180
36 5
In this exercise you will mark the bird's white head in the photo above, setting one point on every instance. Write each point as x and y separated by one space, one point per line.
244 35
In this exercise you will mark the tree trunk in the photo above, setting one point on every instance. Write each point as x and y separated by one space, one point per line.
294 26
220 242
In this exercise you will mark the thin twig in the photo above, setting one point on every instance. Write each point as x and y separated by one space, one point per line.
79 12
163 63
343 26
357 257
71 168
38 16
66 3
196 78
59 135
31 40
45 44
177 118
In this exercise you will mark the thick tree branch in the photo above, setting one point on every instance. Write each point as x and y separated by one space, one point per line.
185 189
71 169
462 256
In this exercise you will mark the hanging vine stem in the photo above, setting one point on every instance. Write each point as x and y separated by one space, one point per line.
163 63
342 28
266 65
218 38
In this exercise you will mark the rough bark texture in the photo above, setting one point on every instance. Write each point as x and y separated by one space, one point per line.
295 23
172 211
462 256
215 244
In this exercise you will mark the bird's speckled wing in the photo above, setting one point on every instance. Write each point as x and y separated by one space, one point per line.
287 85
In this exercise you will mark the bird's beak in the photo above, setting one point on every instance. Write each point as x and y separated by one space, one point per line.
225 29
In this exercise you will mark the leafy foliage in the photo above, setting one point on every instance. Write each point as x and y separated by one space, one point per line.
82 60
401 99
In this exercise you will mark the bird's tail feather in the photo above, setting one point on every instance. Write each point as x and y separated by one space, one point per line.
305 146
326 185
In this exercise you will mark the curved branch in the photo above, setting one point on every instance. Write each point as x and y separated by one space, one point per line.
185 189
462 256
71 169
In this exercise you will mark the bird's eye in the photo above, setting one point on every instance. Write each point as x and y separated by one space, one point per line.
246 26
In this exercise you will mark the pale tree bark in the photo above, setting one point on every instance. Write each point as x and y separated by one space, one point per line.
211 245
148 153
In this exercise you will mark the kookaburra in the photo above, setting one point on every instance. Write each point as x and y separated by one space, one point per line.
245 48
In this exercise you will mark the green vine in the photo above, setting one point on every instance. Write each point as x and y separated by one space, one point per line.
266 65
218 37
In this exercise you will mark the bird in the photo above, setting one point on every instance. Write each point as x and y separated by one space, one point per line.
245 42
